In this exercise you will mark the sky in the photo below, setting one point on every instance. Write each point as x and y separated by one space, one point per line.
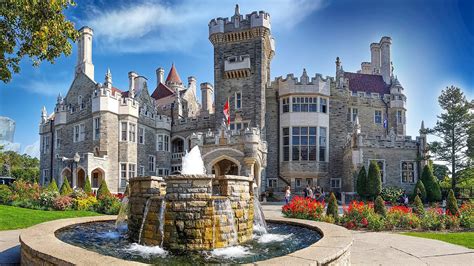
432 47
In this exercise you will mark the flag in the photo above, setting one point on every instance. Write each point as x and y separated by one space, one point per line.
226 112
385 123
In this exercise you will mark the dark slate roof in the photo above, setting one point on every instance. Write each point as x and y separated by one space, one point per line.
162 91
367 83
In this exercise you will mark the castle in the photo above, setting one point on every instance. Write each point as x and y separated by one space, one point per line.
287 131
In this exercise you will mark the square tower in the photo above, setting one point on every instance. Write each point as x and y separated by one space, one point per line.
243 49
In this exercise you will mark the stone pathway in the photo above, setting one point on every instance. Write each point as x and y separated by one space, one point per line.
384 248
10 247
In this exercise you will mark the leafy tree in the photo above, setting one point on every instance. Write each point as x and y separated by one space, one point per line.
418 208
453 128
53 186
362 183
433 191
37 29
19 166
379 206
440 171
65 188
103 190
332 206
420 190
451 204
87 186
374 181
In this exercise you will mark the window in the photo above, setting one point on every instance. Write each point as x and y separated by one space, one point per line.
141 170
297 182
124 131
163 142
97 128
352 114
378 117
335 183
132 170
286 144
309 181
95 180
303 143
80 103
57 136
175 168
361 94
45 174
324 105
151 163
76 133
45 146
272 182
132 132
304 104
141 135
163 171
322 144
238 100
123 175
286 105
408 172
238 125
381 165
82 135
399 117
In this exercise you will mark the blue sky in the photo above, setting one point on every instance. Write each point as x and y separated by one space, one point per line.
432 47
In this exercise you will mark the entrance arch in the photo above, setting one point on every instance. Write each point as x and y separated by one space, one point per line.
66 174
81 178
225 166
97 176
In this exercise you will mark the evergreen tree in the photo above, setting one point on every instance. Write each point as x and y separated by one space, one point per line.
420 190
103 190
362 183
453 127
433 191
65 188
53 186
379 206
332 207
87 186
418 208
374 181
452 205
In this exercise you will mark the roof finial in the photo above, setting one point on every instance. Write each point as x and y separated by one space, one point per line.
108 78
237 10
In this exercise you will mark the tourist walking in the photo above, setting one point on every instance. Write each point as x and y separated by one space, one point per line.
287 194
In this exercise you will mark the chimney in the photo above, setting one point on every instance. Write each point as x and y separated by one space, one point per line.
385 64
192 84
160 76
207 96
375 58
131 81
84 52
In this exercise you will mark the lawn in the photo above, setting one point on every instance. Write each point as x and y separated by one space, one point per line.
16 218
465 239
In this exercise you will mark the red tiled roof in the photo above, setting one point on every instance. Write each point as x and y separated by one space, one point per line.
367 83
162 91
114 90
173 76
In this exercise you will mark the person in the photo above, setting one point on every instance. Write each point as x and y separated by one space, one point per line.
317 193
405 198
306 191
287 194
310 192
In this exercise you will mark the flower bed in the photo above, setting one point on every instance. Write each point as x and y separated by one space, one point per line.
360 215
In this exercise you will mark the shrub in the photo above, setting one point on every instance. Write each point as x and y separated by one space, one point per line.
420 190
466 215
304 208
418 208
374 181
87 186
103 190
78 193
401 217
62 203
47 198
433 219
379 206
451 222
5 194
355 215
53 186
108 204
332 207
362 183
65 188
86 204
452 205
375 222
433 191
391 194
25 191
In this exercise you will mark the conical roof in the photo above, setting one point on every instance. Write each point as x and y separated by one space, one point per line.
173 76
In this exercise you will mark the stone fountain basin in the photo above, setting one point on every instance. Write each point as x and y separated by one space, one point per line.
40 246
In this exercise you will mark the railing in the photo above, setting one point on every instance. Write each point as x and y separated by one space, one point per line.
177 155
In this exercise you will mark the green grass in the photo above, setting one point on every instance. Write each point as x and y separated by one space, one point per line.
16 218
465 239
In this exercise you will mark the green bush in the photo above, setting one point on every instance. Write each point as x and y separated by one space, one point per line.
432 220
5 194
374 181
362 183
24 191
65 188
391 194
451 204
418 208
379 206
103 190
47 198
87 186
108 204
433 191
420 190
86 204
332 207
53 186
466 215
78 193
375 222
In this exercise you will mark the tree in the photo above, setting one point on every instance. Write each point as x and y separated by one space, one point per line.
420 190
87 186
103 190
332 207
37 29
374 181
65 188
53 186
433 191
362 183
451 204
379 206
418 208
453 127
440 171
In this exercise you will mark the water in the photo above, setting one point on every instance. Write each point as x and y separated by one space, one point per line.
225 214
145 213
193 163
259 224
161 219
281 240
121 222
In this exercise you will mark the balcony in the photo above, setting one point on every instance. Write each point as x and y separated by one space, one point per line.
177 155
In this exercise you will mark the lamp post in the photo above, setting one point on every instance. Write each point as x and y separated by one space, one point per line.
71 161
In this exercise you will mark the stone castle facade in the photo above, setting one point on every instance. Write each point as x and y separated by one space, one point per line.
287 131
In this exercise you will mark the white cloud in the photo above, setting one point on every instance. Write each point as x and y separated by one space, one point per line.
154 25
43 87
33 150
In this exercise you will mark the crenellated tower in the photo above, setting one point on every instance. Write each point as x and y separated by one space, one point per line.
243 49
84 53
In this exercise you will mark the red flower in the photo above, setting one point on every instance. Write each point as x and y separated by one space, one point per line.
364 222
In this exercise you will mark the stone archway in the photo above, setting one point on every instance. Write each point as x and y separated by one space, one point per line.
81 178
225 167
96 177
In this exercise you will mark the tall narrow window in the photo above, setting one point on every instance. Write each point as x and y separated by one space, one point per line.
399 117
352 114
238 100
131 170
313 104
160 142
133 132
141 171
141 135
57 135
97 128
378 117
286 144
123 175
80 103
167 143
323 103
322 144
124 131
303 143
82 135
408 172
76 133
286 105
151 163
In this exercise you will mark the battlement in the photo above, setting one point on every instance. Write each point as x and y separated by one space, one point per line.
291 84
232 137
390 141
238 22
290 78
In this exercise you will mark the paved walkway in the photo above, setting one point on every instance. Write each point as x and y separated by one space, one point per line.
9 247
